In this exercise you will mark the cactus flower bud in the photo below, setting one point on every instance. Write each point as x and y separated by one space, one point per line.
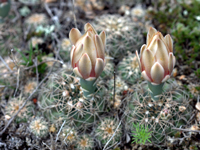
88 52
156 57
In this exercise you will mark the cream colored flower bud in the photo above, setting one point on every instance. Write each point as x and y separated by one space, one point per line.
88 52
156 57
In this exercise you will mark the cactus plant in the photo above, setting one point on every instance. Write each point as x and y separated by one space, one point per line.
68 135
85 142
62 99
138 13
39 127
171 110
123 34
13 106
106 129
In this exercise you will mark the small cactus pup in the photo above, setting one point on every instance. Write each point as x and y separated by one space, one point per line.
87 56
39 127
68 136
85 142
14 104
105 131
4 9
156 61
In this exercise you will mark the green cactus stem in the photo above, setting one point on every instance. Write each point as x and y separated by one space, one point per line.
155 90
4 10
89 87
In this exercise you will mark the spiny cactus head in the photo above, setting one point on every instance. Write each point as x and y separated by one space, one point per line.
85 142
14 105
138 13
68 135
173 109
105 130
39 127
118 29
62 99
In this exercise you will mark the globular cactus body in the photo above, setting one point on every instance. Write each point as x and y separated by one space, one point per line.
172 109
62 100
123 35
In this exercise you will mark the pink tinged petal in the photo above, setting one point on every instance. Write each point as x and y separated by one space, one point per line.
75 70
153 47
74 35
89 48
78 52
99 47
144 75
71 55
165 78
174 61
142 49
103 38
157 73
170 63
85 66
88 26
169 42
138 59
90 34
162 55
152 31
99 67
148 61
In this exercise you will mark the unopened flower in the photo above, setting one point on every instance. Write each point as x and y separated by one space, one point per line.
156 57
87 54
